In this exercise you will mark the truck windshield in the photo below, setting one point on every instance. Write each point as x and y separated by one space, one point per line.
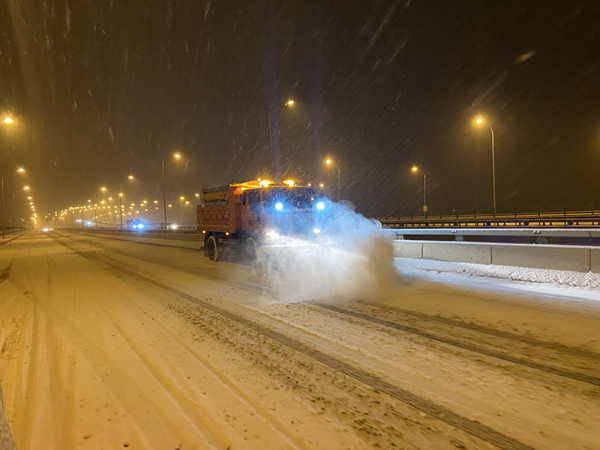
296 197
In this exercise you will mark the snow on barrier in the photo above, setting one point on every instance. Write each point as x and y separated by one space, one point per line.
553 257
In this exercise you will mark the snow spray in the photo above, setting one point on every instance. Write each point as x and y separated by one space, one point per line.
351 260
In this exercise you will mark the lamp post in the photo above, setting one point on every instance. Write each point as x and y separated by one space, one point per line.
416 169
481 121
176 156
328 161
130 177
19 170
7 121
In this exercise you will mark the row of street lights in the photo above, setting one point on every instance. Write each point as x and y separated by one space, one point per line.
103 189
477 121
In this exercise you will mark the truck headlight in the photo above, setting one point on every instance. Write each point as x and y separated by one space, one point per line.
272 233
320 205
278 206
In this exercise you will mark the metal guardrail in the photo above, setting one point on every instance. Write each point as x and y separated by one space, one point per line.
539 219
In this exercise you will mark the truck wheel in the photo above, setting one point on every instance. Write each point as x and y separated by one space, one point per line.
250 250
212 249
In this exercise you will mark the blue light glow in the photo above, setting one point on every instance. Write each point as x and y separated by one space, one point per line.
278 206
140 226
320 205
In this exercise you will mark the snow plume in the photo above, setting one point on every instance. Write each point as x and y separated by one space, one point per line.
350 259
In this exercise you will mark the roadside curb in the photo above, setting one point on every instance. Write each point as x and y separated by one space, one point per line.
6 439
6 241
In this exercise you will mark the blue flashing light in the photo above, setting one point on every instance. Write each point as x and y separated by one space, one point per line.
278 206
320 205
140 226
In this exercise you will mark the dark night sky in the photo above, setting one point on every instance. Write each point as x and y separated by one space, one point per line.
101 89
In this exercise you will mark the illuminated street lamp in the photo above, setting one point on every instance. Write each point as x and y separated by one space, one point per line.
290 102
8 120
416 169
329 162
176 156
479 122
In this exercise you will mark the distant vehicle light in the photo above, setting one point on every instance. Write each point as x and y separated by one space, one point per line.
278 206
316 231
320 205
140 226
45 229
174 227
272 233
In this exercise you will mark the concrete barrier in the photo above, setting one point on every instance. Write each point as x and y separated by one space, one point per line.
408 249
458 252
595 260
554 257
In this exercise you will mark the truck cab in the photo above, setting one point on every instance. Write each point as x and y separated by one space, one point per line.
252 215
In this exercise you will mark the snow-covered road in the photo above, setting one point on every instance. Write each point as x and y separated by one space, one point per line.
111 344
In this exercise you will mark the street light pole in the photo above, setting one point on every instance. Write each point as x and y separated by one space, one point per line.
493 169
337 166
416 169
20 170
129 177
2 200
482 121
176 156
14 216
338 183
163 189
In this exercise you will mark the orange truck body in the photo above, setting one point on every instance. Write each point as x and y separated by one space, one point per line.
222 210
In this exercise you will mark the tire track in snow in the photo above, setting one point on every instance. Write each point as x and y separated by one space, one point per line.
290 438
408 329
471 427
98 358
588 379
6 272
556 346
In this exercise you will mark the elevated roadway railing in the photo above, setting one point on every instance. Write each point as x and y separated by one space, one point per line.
537 219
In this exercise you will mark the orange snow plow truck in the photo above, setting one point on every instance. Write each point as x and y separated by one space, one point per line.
255 215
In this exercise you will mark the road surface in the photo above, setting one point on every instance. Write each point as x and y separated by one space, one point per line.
110 344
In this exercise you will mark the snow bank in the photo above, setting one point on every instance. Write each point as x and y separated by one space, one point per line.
562 277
